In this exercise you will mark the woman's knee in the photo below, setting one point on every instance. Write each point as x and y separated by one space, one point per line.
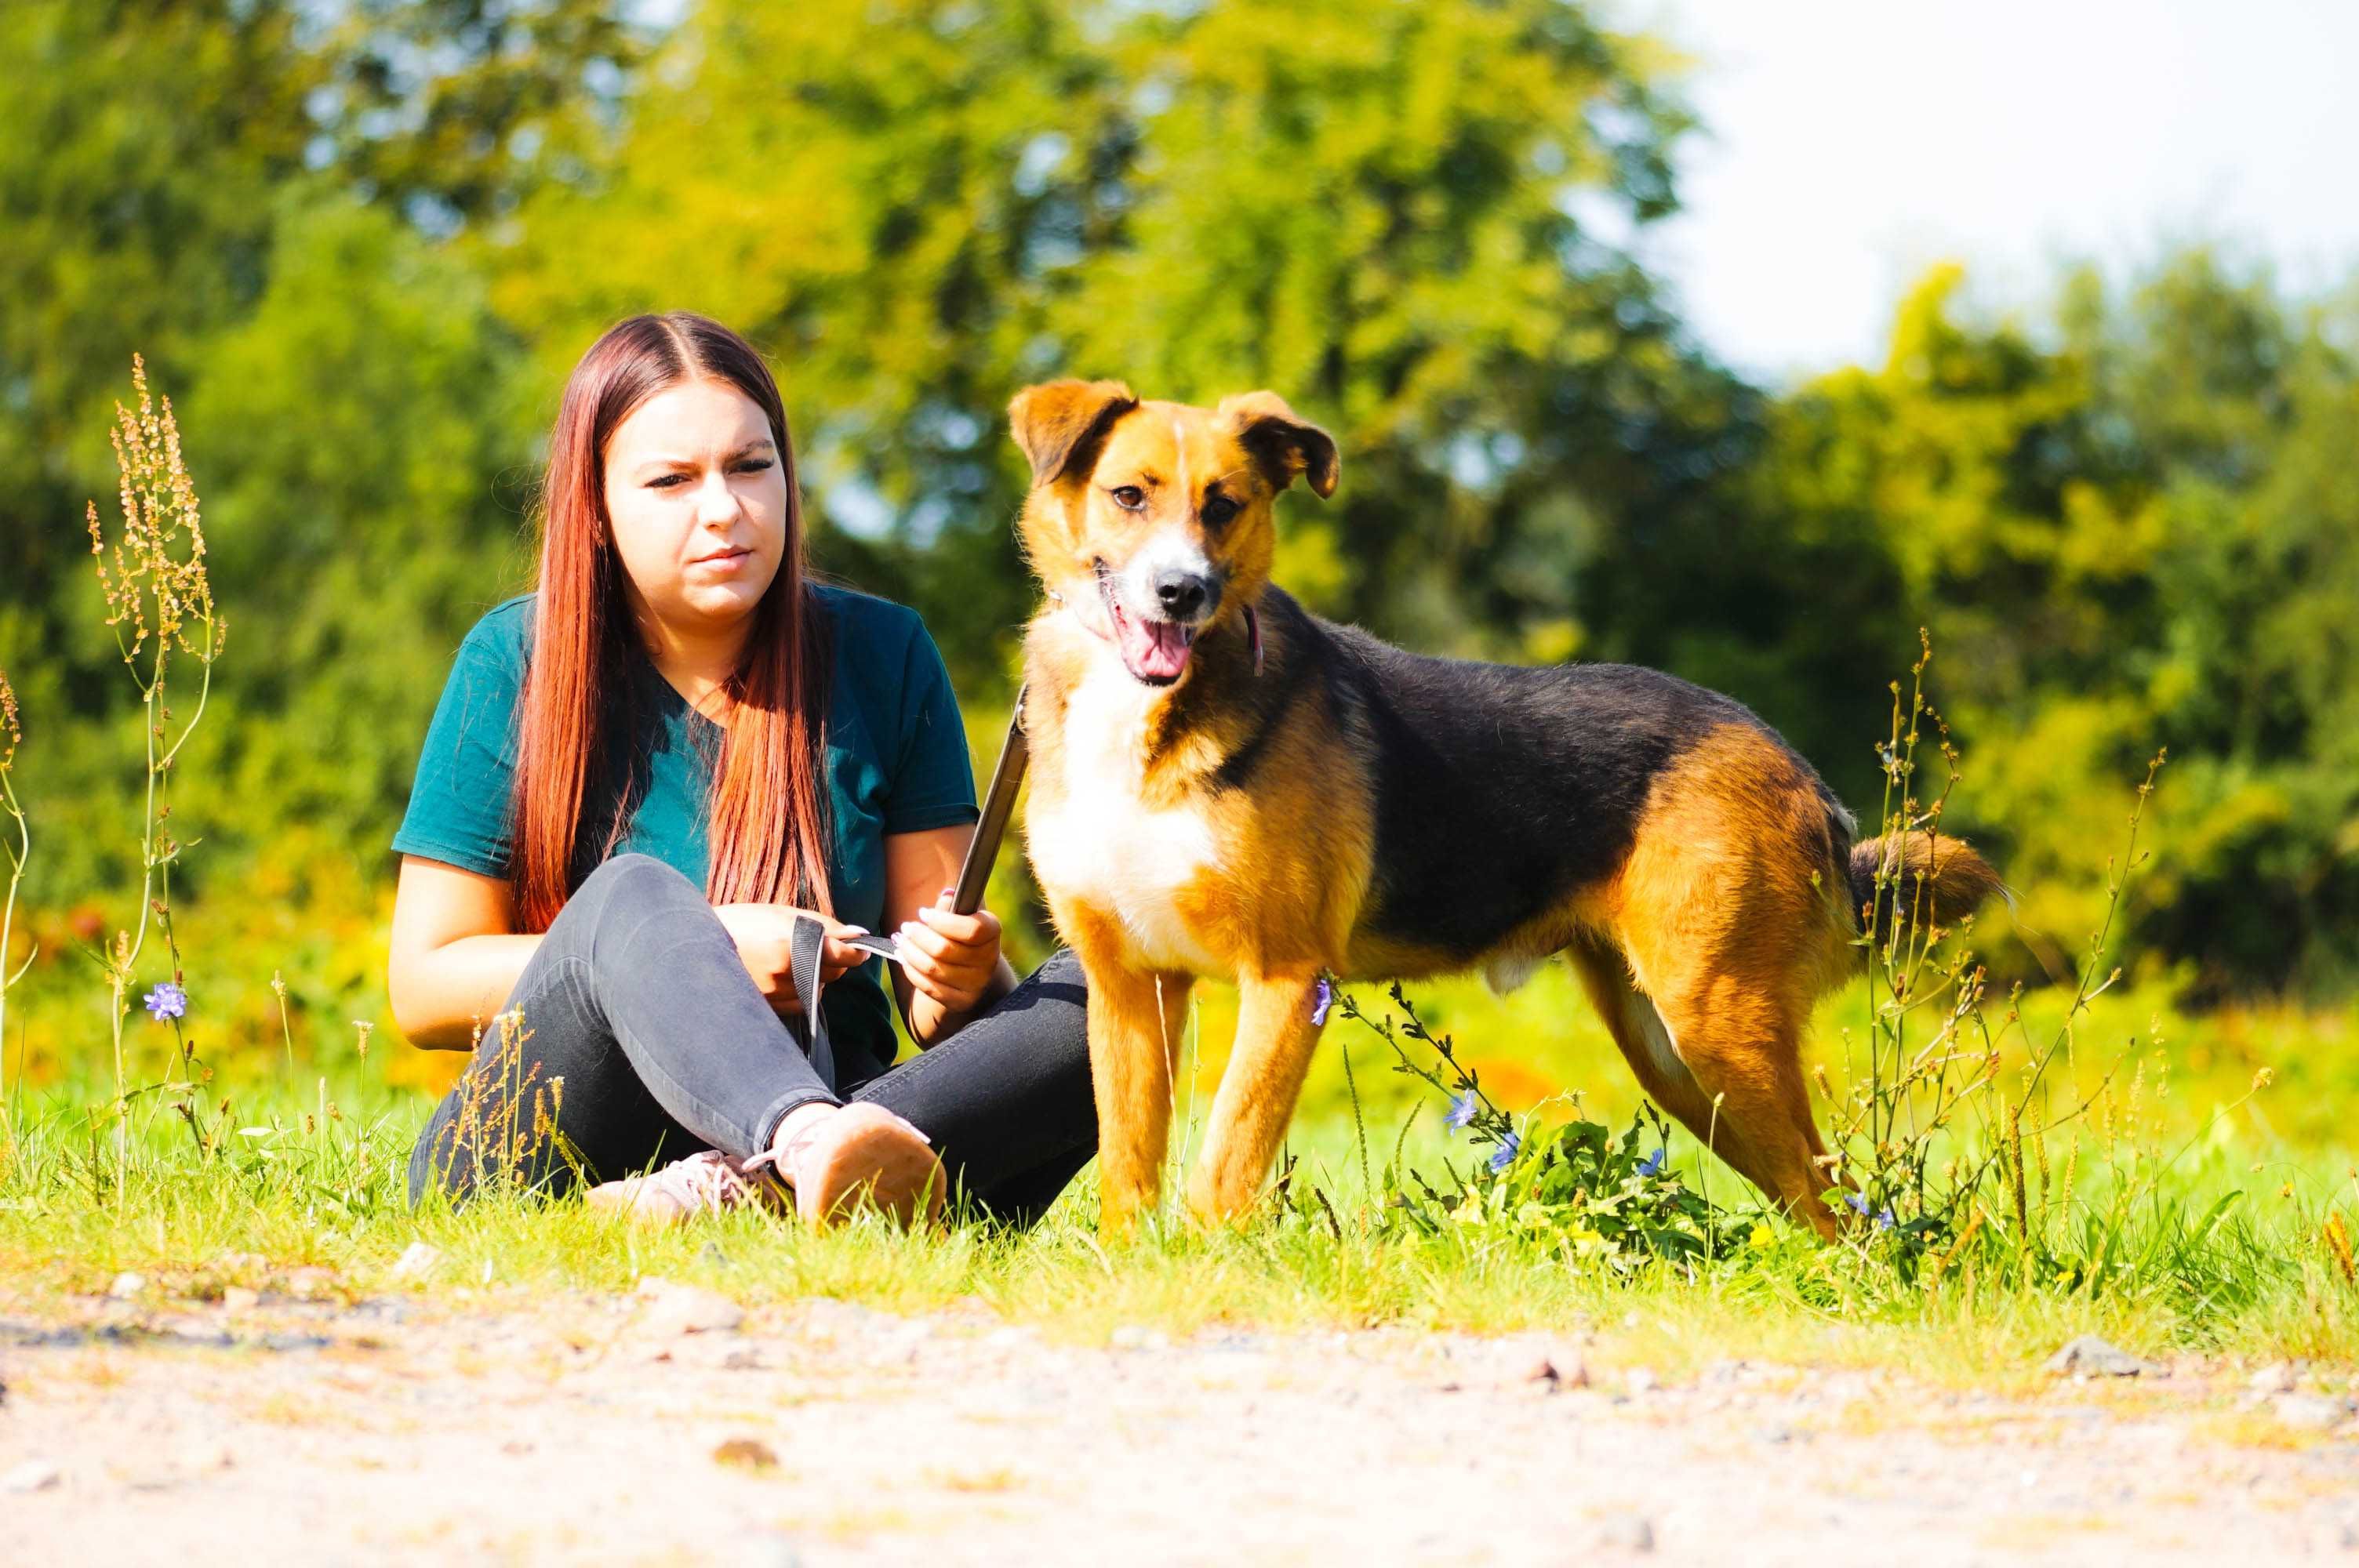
640 874
634 882
1061 980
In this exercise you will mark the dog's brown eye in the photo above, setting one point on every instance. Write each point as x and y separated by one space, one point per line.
1219 510
1129 497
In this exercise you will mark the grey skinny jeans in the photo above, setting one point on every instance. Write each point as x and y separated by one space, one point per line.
637 1001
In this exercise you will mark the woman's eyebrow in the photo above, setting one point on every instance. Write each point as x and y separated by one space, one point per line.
666 460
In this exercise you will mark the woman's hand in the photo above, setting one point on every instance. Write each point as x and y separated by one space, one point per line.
951 959
765 934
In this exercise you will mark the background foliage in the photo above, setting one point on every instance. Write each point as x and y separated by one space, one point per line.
361 242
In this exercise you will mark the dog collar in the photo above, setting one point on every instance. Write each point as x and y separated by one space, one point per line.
1253 628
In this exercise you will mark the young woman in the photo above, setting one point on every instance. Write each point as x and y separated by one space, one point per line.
654 795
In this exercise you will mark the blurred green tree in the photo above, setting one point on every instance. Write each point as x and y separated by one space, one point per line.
1402 216
450 112
361 240
2134 529
139 147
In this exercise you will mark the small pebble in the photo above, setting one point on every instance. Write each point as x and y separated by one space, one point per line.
2279 1378
1628 1532
2310 1412
127 1285
309 1283
417 1261
746 1454
2089 1355
675 1309
240 1298
32 1475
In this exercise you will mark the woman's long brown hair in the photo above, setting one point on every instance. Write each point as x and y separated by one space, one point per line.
767 829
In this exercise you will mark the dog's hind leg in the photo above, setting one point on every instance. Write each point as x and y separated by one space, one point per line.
1745 1054
1724 1056
1769 1138
1645 1041
1722 913
1258 1089
1690 1057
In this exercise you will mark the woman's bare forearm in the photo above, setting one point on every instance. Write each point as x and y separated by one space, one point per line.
442 996
930 1024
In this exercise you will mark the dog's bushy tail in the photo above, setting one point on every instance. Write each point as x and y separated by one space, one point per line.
1929 878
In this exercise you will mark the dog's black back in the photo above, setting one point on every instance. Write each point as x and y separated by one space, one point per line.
1499 788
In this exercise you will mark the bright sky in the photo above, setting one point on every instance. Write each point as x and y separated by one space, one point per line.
1852 142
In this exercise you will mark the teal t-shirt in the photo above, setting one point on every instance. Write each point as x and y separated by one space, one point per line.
897 763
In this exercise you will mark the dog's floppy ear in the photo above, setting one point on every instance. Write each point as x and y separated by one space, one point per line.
1061 424
1282 444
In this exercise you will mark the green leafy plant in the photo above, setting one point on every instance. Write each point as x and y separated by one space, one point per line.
1574 1188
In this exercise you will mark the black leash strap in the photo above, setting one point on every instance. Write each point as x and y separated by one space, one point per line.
809 945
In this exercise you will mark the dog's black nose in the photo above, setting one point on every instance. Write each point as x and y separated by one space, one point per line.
1182 594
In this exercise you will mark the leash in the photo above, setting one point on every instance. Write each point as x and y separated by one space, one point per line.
982 850
809 942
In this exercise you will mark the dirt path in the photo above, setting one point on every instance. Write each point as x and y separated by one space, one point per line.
649 1430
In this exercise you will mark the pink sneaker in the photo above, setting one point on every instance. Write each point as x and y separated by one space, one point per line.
702 1184
858 1154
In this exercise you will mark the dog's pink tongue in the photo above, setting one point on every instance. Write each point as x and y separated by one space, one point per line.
1155 648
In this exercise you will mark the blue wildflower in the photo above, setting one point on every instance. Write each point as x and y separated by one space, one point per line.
1506 1154
1326 999
1884 1220
167 1001
1858 1204
1653 1164
1463 1108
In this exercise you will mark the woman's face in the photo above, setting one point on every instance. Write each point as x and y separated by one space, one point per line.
697 499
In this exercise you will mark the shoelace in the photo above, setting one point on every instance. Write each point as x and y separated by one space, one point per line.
708 1180
775 1165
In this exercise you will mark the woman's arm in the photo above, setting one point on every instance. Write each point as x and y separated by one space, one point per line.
955 967
456 954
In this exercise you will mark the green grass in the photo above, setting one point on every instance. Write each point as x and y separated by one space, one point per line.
2222 1250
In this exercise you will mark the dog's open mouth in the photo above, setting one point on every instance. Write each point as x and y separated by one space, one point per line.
1153 651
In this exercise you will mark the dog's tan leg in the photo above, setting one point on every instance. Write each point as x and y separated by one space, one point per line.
1135 1019
1263 1080
1769 1136
1728 935
1645 1039
1751 1065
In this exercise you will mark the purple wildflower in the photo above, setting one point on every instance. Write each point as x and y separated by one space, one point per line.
1507 1151
1884 1220
1653 1164
167 1001
1463 1108
1325 1000
1858 1204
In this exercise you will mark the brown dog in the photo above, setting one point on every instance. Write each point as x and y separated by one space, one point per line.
1224 785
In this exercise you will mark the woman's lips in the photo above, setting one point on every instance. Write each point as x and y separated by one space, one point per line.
724 558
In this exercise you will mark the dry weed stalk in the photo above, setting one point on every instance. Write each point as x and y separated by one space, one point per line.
159 602
12 735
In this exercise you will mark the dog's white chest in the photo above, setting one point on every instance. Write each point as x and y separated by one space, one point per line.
1101 844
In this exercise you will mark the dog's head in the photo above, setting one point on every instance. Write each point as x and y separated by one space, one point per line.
1153 520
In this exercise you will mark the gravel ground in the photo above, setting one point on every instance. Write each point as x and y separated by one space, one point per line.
667 1427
